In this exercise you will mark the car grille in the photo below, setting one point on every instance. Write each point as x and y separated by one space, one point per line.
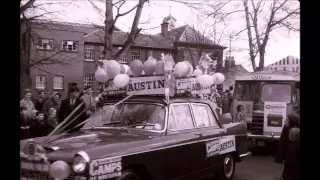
257 124
44 175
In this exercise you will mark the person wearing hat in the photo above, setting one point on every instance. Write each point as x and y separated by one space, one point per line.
53 102
67 107
26 102
293 121
38 103
89 101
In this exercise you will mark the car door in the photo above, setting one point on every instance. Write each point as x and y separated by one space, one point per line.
183 151
210 131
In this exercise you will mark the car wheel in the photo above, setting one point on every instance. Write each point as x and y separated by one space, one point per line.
227 170
128 175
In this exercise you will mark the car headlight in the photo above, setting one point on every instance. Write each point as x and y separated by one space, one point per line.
80 162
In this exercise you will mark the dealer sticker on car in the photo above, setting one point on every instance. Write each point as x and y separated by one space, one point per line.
221 146
106 168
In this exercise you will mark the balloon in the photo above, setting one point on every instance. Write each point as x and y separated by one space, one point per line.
181 69
220 78
215 79
159 68
122 69
197 72
136 67
130 72
149 66
121 80
205 80
113 68
126 68
59 170
101 75
190 68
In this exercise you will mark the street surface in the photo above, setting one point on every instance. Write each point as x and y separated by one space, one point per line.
258 167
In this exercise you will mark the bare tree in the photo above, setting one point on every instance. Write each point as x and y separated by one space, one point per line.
110 24
282 14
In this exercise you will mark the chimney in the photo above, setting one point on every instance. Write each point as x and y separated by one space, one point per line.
164 29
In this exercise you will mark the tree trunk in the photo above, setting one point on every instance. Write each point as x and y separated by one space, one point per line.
108 31
251 53
25 43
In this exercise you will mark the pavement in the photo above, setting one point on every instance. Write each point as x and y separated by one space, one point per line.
258 167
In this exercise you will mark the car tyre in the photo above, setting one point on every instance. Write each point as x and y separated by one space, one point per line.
227 170
129 175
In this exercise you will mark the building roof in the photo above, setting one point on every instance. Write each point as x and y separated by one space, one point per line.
288 58
186 35
143 40
79 27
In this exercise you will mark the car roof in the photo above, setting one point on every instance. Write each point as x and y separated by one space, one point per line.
158 99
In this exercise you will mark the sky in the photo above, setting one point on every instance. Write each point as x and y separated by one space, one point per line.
280 45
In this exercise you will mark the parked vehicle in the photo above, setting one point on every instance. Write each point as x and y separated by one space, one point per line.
143 138
267 97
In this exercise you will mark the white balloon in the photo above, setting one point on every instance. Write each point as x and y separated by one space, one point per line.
197 72
181 69
205 80
126 68
101 75
190 68
220 78
121 80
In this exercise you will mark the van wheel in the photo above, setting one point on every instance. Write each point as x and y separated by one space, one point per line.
227 170
128 175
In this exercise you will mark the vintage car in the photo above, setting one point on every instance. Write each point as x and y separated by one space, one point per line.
142 138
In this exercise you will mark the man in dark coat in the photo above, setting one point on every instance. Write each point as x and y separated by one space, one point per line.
67 107
291 169
293 121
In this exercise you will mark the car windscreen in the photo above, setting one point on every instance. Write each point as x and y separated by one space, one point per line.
247 91
276 92
129 115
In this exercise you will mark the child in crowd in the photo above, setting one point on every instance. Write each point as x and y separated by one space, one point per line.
39 126
240 116
24 124
52 117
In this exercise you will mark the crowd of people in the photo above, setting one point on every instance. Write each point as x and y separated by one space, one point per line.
40 115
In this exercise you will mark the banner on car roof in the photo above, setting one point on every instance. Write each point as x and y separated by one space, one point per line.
220 146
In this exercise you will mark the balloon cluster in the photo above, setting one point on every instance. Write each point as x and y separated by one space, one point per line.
120 72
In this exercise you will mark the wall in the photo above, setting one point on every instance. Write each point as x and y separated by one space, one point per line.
70 64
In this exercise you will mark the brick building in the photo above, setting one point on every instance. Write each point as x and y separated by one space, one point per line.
73 49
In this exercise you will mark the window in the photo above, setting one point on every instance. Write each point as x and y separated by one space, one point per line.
247 91
276 63
180 117
45 44
130 115
275 68
57 82
297 61
124 59
40 82
201 115
270 68
284 68
69 45
284 61
287 60
280 62
135 54
88 80
101 54
292 61
276 93
89 52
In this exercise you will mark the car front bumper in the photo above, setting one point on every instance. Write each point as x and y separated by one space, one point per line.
263 137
